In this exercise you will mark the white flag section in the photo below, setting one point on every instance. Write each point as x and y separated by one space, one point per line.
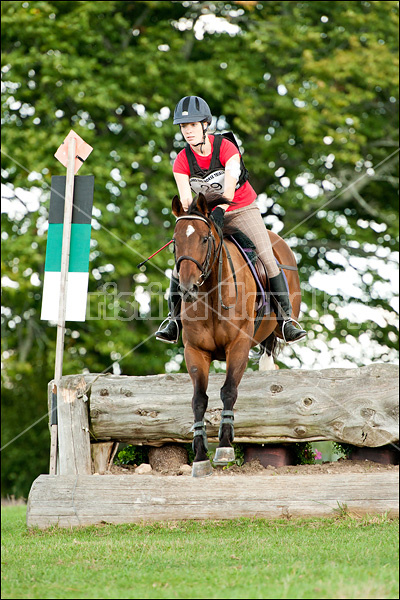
77 287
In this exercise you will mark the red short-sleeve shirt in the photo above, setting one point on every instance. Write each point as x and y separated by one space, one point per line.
244 196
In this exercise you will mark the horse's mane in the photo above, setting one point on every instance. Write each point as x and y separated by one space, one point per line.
213 200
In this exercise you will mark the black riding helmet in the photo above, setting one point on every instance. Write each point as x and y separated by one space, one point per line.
192 109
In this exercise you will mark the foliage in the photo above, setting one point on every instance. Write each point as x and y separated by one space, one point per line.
341 557
343 449
191 453
309 88
132 455
303 453
239 453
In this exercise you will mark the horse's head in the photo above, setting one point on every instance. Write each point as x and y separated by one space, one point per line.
195 245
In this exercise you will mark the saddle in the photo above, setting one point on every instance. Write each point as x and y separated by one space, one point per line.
256 266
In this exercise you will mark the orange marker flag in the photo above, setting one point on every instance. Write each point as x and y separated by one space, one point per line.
82 151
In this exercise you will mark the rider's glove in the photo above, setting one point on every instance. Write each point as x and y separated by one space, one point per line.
217 216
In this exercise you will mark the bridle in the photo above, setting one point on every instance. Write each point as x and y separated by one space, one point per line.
206 267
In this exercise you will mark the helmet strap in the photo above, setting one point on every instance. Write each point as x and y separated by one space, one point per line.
201 144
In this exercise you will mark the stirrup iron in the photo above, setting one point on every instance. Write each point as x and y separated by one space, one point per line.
285 322
168 320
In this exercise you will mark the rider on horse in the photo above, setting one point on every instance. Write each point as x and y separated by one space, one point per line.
212 162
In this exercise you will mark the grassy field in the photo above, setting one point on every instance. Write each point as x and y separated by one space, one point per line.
342 557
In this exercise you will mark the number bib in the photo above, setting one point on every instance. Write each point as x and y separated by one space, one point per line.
214 177
212 181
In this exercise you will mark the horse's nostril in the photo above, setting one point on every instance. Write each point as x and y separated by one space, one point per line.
184 290
188 294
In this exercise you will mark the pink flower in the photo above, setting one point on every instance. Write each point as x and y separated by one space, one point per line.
317 455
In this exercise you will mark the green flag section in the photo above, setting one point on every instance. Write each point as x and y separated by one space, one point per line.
78 270
79 248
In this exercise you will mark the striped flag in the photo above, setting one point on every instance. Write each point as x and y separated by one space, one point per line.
78 271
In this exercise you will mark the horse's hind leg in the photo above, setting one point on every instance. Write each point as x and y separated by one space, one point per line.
198 365
236 361
269 345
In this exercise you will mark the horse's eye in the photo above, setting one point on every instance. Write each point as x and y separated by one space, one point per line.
205 239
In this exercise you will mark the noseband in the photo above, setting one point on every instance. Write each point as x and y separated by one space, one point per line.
206 267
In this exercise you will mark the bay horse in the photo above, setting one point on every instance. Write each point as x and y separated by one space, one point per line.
219 323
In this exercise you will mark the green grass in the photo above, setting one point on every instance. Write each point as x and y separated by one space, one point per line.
340 557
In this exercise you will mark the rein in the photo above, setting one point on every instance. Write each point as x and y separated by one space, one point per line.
206 268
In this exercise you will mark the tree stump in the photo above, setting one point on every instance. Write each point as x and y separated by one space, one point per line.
168 458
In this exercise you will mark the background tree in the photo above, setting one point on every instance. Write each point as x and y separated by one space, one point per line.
311 91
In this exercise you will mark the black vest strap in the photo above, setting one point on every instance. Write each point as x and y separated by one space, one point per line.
197 171
244 174
215 162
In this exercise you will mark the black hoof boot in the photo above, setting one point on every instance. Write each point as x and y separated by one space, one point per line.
225 454
202 466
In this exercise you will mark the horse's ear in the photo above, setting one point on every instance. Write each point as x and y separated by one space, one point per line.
202 204
177 207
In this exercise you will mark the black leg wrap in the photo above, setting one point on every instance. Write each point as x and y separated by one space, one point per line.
199 428
227 417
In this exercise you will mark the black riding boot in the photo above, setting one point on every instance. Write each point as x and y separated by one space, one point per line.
281 303
170 333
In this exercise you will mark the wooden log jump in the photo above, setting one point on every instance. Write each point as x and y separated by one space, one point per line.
355 406
69 501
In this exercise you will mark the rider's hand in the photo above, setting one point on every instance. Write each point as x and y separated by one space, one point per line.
217 216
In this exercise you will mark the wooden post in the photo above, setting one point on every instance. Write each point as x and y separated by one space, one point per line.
73 427
53 431
71 154
103 455
68 206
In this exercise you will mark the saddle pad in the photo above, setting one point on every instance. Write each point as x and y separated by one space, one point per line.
259 273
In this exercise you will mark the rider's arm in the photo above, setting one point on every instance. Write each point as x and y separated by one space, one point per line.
232 172
184 190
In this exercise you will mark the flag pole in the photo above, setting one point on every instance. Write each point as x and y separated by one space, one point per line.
65 252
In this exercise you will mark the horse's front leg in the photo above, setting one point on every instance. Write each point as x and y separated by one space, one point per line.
236 360
198 365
